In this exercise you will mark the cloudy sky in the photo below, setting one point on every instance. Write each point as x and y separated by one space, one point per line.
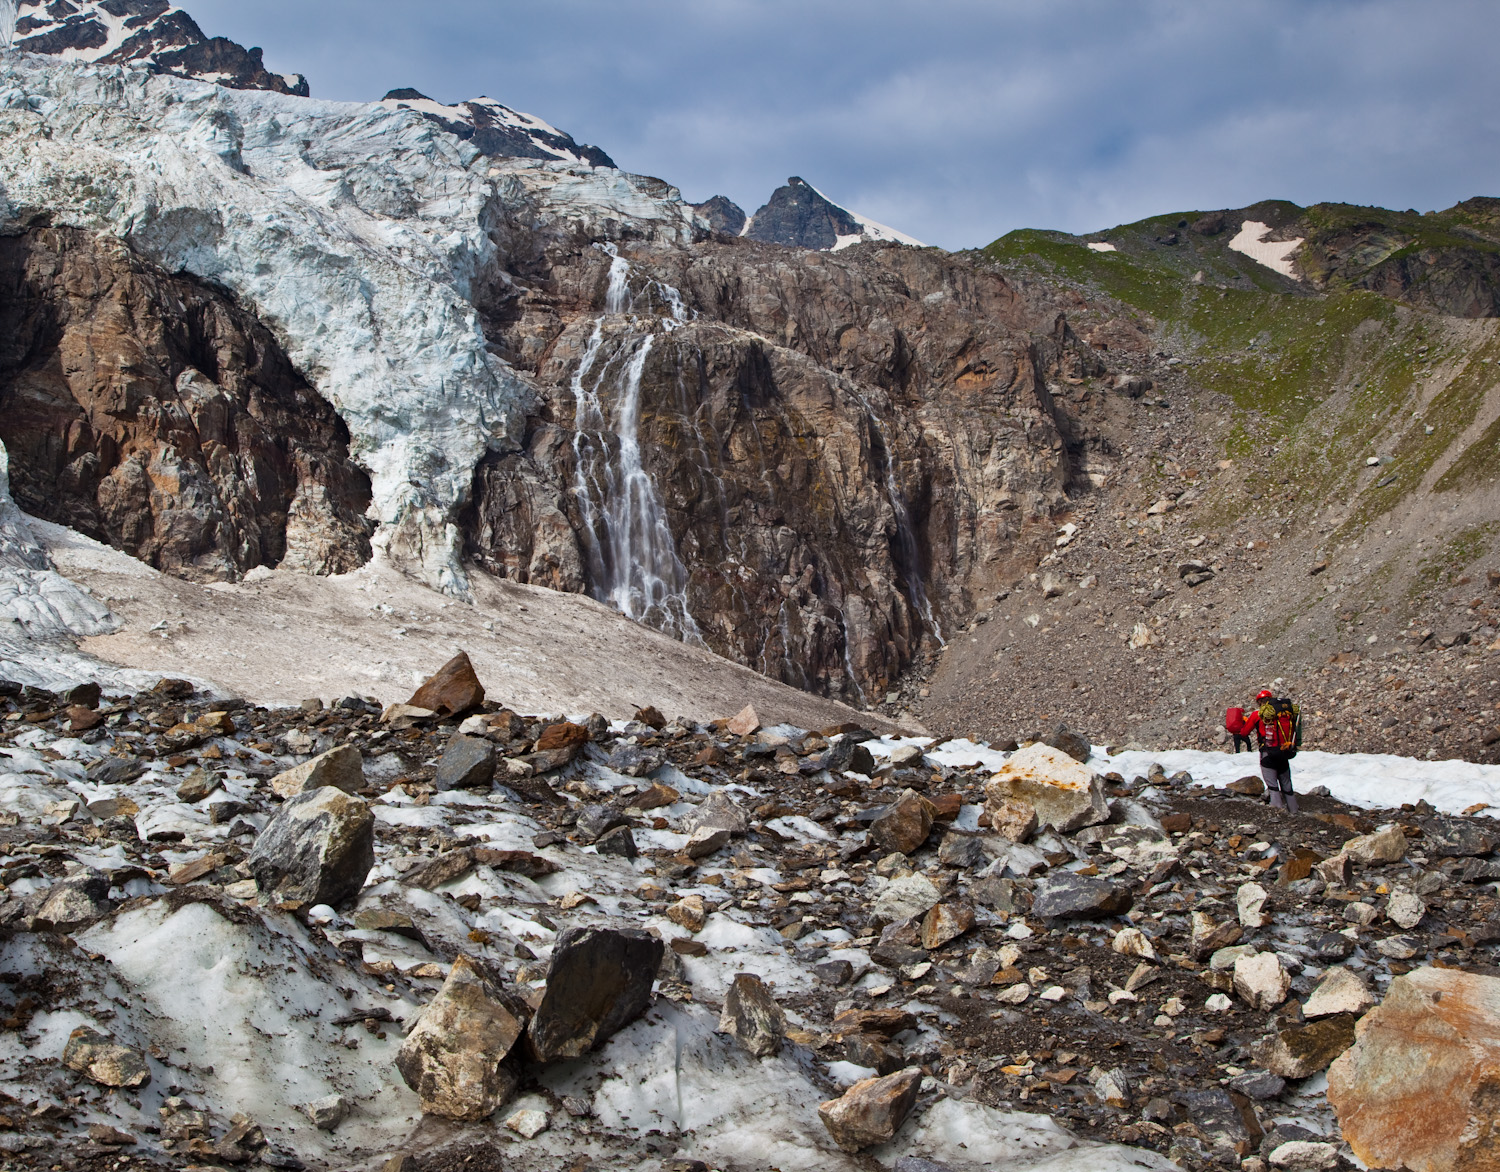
954 120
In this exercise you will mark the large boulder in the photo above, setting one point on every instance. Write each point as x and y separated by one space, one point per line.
452 690
454 1056
101 1059
1066 794
752 1017
1386 845
718 811
343 768
872 1111
1302 1050
1418 1089
905 824
1068 896
598 981
318 849
466 763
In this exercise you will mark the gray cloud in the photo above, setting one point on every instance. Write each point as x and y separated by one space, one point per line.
955 120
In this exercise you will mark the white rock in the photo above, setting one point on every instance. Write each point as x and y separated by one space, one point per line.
1305 1154
1133 942
1218 1003
1261 981
1405 909
529 1124
1340 991
905 897
1250 899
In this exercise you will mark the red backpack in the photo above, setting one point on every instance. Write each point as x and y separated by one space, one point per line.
1281 726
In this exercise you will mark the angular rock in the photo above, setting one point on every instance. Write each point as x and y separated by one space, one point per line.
945 923
1075 745
565 738
1065 794
1259 1085
1225 1117
343 768
73 903
453 1057
1340 991
903 898
1012 819
97 1057
1133 942
1209 936
871 1111
318 848
1068 896
1337 871
1248 787
961 850
1302 1155
1250 900
689 912
619 842
447 867
655 797
1400 947
1261 981
197 785
997 894
752 1017
1405 910
598 981
743 723
452 690
1112 1087
328 1112
1334 946
719 811
705 841
1418 1088
594 821
466 763
1458 840
905 825
1386 845
529 1124
1301 1051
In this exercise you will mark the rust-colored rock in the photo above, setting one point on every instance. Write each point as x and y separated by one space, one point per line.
905 826
153 413
945 923
1420 1088
872 1111
562 736
452 690
744 722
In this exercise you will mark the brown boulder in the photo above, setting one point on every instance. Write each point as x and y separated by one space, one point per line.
452 690
905 825
1012 818
453 1056
743 723
1420 1087
98 1058
752 1017
872 1111
945 923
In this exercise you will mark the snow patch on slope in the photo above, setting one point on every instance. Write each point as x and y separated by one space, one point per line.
1274 254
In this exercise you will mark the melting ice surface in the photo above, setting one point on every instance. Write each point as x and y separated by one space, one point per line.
633 562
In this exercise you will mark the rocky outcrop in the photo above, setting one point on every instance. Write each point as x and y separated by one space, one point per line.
722 215
801 217
154 413
499 131
153 32
843 449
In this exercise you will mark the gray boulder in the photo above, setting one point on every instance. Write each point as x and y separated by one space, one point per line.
318 849
1067 896
467 763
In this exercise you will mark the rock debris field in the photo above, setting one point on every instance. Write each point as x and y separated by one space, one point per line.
445 935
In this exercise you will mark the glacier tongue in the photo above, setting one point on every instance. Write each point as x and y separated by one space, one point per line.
358 233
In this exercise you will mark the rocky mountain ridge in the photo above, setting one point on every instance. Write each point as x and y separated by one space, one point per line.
153 33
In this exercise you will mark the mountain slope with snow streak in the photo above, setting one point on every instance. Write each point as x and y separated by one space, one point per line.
498 130
152 32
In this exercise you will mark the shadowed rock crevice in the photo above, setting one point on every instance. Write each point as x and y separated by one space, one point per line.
154 413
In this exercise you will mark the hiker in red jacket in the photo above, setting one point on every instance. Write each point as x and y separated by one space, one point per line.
1277 724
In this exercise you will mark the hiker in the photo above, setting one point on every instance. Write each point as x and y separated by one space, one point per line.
1277 724
1234 724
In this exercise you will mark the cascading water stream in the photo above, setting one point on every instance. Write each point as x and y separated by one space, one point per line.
633 560
905 537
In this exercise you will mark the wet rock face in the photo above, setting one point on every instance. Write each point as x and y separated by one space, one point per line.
152 413
841 443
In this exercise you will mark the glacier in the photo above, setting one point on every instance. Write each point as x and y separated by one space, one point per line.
358 232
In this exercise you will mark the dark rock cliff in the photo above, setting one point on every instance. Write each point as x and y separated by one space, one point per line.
151 412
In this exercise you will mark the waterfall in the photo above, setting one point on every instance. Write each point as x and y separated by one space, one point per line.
633 562
7 24
916 592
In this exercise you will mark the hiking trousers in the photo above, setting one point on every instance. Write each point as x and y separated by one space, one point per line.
1278 778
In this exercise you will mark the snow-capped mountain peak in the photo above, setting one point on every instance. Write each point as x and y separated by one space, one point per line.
798 215
154 32
498 130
